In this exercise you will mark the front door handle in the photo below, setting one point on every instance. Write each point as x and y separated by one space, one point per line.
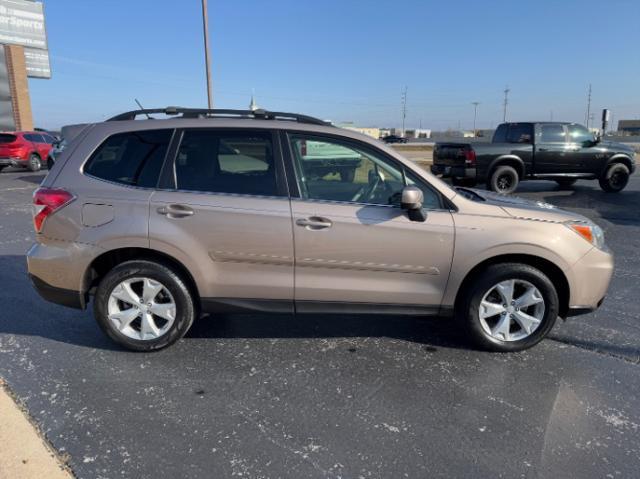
314 223
175 211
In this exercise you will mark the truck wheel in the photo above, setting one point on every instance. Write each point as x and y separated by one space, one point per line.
509 307
615 178
504 180
35 164
347 175
566 182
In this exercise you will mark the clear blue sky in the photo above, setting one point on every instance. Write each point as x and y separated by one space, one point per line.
345 60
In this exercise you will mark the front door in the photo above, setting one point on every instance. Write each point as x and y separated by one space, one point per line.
227 217
584 155
354 246
551 155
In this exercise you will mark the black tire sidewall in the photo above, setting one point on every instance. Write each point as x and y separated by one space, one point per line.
501 171
566 182
605 180
492 276
185 308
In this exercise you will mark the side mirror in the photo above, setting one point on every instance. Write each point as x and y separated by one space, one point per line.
411 200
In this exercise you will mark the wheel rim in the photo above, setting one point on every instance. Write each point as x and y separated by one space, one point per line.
511 310
504 182
35 162
141 308
618 179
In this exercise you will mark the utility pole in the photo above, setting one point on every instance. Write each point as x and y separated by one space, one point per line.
404 108
588 116
475 115
506 102
207 59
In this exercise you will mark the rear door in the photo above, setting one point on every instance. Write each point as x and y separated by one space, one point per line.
551 149
355 249
223 210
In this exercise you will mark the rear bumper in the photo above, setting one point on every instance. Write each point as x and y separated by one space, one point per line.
453 171
12 162
64 297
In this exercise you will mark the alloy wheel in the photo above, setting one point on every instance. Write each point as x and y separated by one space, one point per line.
141 308
511 310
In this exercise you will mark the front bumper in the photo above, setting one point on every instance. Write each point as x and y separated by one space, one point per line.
453 171
591 277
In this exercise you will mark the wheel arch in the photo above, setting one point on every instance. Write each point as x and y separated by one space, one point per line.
618 158
102 264
507 160
552 271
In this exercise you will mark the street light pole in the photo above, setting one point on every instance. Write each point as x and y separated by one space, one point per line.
475 115
207 59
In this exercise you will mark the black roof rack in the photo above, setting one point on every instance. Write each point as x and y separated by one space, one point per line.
206 113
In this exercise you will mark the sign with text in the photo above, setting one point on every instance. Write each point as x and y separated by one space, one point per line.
22 23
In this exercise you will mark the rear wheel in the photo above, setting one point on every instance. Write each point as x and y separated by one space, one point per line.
144 306
468 182
615 178
503 180
509 307
35 163
565 182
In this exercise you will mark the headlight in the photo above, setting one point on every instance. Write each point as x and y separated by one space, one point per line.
589 231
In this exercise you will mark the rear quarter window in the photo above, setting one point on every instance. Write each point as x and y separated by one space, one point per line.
5 138
132 158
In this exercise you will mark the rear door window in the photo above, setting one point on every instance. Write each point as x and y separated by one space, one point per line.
132 158
520 133
217 161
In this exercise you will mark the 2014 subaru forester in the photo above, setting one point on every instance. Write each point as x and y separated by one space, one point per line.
206 211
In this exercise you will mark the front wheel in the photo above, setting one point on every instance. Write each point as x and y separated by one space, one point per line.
509 307
144 306
615 178
503 180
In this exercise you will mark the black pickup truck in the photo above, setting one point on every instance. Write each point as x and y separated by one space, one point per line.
563 152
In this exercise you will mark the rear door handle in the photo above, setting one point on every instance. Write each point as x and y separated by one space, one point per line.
175 211
314 223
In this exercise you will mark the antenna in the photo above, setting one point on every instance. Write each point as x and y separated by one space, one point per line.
142 108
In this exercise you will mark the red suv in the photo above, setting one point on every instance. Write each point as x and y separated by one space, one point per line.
27 149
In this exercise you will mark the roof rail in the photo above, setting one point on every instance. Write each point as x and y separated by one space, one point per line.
206 113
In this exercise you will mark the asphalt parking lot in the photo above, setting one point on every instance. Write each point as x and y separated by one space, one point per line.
348 396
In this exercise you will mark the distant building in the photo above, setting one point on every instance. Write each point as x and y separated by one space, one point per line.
373 132
629 127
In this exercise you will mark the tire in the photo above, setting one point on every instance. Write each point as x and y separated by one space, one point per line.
503 180
35 163
566 182
468 310
347 175
174 292
615 179
50 163
2 168
467 182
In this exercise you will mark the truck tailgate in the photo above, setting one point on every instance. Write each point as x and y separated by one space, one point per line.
451 154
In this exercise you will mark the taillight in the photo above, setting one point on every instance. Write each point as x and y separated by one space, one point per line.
47 201
470 157
303 147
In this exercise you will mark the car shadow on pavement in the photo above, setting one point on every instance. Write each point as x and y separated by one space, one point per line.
432 332
35 179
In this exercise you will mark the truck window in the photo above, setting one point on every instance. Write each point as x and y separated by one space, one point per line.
520 133
500 136
552 134
579 134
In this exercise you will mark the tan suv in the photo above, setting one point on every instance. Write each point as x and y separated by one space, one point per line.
207 211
